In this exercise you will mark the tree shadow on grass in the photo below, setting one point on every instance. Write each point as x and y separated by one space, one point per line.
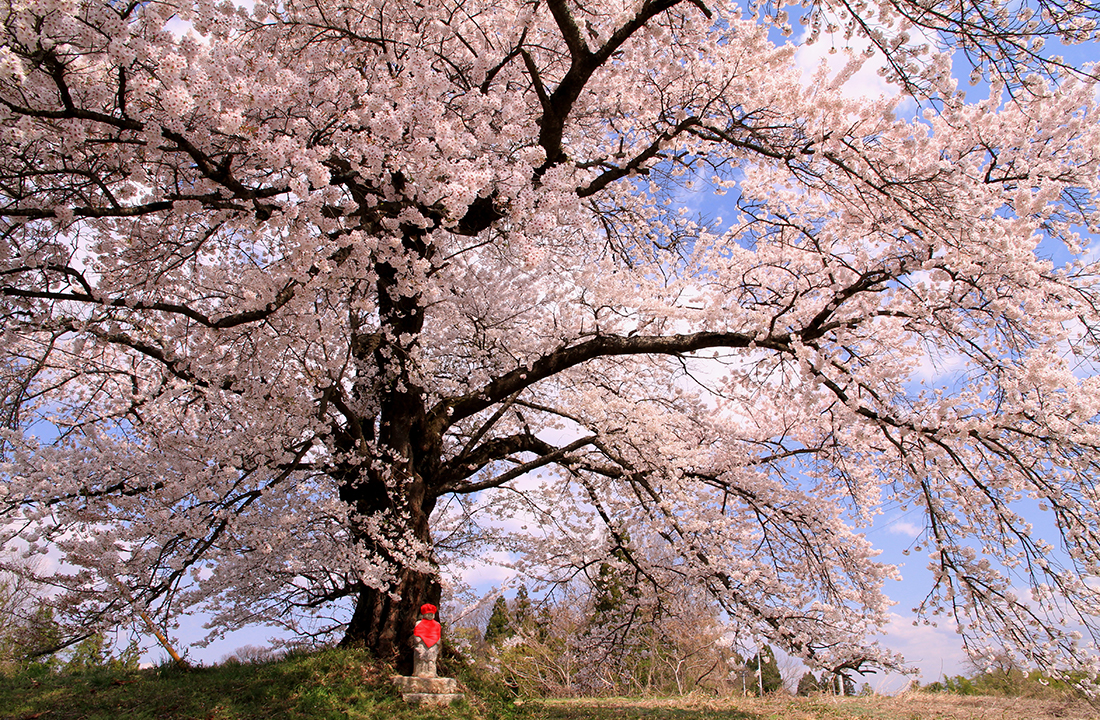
612 710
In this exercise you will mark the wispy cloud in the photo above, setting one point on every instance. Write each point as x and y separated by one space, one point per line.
905 528
836 52
934 651
864 83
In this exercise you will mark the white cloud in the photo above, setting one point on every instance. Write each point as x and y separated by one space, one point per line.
1092 252
905 528
493 569
932 651
178 27
864 83
836 51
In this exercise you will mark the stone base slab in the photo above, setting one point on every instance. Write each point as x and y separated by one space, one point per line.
430 698
427 690
413 684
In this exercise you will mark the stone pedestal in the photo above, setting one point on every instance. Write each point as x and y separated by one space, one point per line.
427 690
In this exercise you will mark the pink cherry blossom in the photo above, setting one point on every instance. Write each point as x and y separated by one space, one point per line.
298 304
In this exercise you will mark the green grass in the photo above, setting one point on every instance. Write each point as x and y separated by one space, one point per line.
336 684
348 685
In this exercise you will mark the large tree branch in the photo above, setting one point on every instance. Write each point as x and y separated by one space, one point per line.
473 460
570 31
583 64
551 455
74 113
638 162
449 411
281 298
231 320
213 201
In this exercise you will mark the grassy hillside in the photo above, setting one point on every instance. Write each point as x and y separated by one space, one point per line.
330 684
342 684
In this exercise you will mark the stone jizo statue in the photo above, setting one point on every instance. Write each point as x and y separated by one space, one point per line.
423 687
425 642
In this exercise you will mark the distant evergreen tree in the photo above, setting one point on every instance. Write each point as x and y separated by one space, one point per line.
544 623
89 653
523 615
27 627
843 685
772 679
808 684
500 623
95 652
613 587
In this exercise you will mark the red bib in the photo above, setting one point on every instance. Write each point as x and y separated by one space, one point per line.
428 631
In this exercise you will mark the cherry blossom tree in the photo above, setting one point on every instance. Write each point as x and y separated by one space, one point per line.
289 290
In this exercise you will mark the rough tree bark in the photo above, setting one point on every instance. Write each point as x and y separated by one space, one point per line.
398 491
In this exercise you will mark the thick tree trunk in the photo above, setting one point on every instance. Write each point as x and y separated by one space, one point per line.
396 493
384 624
384 618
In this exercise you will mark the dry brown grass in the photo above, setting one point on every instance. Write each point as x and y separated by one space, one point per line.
926 706
911 706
